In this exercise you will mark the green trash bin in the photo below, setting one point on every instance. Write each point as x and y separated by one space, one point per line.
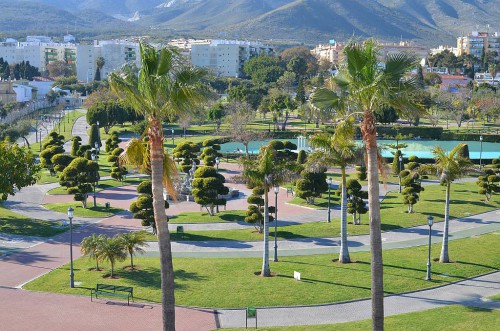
107 205
251 313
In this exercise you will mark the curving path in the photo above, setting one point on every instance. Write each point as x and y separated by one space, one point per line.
50 311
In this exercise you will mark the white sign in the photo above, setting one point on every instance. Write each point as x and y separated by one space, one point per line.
296 275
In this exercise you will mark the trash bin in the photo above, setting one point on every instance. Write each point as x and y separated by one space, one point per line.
251 313
107 204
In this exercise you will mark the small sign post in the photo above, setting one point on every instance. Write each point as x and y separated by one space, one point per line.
296 275
251 313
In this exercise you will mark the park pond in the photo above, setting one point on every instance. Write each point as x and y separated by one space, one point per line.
420 148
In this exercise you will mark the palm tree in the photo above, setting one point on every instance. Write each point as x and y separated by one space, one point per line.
112 250
166 86
90 247
366 87
340 150
265 172
449 166
133 243
100 62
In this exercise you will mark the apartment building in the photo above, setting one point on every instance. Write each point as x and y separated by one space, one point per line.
475 42
226 57
331 52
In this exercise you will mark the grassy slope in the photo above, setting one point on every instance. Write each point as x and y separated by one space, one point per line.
98 212
13 223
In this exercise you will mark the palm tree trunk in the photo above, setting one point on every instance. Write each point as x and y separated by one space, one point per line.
266 271
444 249
167 271
344 249
112 269
368 129
131 261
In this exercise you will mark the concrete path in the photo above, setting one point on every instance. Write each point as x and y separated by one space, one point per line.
79 129
469 292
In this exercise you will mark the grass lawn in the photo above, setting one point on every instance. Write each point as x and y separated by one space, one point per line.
319 203
204 217
98 212
450 318
495 297
204 282
13 223
465 201
103 185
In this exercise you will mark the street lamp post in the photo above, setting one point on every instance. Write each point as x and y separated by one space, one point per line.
40 139
329 181
71 273
94 158
480 152
430 222
217 162
276 191
173 141
399 175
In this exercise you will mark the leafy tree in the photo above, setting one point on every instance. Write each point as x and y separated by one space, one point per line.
432 78
311 185
386 115
464 151
450 166
112 142
361 172
488 184
90 247
297 65
117 170
112 250
396 167
300 97
304 53
78 177
52 147
108 113
356 206
19 169
4 69
209 154
248 93
208 185
264 69
301 157
142 208
95 136
216 114
255 212
165 87
186 151
133 243
75 145
412 188
61 161
366 87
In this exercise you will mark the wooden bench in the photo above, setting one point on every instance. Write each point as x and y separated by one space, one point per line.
114 291
289 190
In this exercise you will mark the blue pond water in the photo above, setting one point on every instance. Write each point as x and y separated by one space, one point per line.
420 148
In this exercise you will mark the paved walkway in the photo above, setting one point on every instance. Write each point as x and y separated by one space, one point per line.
469 292
38 258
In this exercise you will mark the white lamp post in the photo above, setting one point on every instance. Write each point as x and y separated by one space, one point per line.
430 222
480 152
217 162
329 181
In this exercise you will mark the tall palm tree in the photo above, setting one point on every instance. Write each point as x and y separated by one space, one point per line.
340 150
366 87
166 86
90 247
265 172
133 243
111 249
449 166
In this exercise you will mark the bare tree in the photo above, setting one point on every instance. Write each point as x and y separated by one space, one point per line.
239 117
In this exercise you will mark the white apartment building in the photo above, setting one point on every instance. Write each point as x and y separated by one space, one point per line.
226 57
475 42
331 52
116 53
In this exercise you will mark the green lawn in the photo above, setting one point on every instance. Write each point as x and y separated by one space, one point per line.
204 282
13 223
495 297
465 201
98 212
204 217
103 185
319 203
450 318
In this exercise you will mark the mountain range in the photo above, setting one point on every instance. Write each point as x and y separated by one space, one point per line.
427 22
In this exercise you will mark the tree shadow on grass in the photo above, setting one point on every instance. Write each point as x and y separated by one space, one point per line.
314 281
151 277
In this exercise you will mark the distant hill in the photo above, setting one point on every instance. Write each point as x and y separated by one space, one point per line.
428 22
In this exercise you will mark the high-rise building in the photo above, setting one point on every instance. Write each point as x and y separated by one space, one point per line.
477 42
226 57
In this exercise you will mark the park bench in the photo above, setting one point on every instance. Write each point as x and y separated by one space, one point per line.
289 190
114 291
